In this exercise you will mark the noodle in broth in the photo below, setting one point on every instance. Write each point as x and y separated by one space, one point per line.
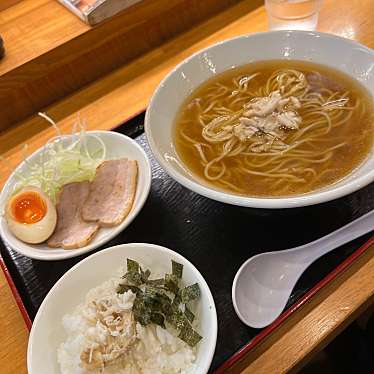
275 128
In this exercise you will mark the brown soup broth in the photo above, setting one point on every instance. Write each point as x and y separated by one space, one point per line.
354 137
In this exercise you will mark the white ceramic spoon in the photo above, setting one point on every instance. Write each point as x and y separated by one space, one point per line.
264 283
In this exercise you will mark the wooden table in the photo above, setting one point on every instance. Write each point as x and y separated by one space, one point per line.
102 104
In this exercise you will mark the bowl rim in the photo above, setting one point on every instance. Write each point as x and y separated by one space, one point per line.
136 208
153 247
315 197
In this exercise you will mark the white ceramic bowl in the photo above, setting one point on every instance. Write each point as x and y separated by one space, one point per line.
339 53
118 145
47 332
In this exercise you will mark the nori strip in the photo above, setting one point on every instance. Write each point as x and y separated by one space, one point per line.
177 269
157 300
189 293
142 313
158 319
134 278
144 275
154 305
132 265
156 292
156 282
189 315
189 335
135 274
178 319
177 300
171 283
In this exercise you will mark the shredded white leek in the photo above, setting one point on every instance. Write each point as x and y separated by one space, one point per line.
64 159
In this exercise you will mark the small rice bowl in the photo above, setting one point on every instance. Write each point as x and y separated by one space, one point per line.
153 350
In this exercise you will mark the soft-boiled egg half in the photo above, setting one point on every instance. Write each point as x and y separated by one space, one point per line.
31 215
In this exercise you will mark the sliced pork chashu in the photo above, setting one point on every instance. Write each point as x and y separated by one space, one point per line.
112 192
71 230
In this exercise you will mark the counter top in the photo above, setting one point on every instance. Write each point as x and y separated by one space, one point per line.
112 99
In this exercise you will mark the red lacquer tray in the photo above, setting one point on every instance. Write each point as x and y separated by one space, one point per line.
214 237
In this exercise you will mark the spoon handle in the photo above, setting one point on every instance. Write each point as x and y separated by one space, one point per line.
361 226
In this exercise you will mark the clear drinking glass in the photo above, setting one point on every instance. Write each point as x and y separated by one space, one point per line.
293 14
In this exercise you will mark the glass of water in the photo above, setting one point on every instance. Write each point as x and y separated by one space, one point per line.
293 14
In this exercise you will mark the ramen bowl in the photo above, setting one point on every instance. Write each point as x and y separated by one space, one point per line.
349 57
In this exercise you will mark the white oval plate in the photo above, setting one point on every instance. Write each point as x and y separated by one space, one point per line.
47 332
118 145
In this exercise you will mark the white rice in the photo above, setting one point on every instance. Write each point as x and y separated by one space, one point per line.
157 350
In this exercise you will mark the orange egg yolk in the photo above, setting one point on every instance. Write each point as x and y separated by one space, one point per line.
28 207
